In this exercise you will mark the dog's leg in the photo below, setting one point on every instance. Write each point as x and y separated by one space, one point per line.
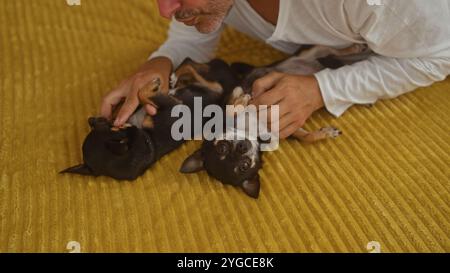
146 95
148 122
310 137
318 52
139 119
189 74
237 99
150 90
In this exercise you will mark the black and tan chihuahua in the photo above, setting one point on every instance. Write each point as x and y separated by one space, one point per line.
126 153
236 161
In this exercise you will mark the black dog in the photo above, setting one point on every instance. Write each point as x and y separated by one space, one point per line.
126 153
236 161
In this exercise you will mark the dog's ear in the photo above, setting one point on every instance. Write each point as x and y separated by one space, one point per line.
193 164
81 169
91 122
98 124
252 187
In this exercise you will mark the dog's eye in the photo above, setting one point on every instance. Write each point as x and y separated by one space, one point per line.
243 146
223 147
245 164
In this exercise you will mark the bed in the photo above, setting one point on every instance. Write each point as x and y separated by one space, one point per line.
384 183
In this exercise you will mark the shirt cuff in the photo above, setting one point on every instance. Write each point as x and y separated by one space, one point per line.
329 89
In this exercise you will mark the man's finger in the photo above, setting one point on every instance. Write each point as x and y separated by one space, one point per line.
288 131
108 104
128 108
113 98
283 109
150 109
266 83
285 121
132 101
271 97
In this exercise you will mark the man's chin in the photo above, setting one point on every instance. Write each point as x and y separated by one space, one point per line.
210 23
207 28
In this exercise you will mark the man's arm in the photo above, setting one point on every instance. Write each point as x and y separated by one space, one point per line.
412 40
184 41
378 78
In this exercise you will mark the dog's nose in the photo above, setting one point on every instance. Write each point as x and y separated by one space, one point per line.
167 8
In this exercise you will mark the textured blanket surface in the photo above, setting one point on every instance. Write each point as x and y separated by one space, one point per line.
387 179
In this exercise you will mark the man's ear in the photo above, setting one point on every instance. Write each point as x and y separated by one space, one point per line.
252 187
193 164
81 169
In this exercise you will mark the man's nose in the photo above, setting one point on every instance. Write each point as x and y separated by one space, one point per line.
167 8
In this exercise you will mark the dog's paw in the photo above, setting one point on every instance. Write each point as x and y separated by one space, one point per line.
237 93
358 48
238 98
244 100
331 132
123 127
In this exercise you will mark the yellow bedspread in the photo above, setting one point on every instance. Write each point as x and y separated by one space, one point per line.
387 179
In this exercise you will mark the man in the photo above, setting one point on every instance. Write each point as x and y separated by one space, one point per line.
410 40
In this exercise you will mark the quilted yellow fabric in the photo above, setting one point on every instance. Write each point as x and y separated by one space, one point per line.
385 180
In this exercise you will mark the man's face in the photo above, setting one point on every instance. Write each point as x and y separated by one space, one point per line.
206 15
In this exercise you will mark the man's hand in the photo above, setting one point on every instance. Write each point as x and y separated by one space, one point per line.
297 96
156 68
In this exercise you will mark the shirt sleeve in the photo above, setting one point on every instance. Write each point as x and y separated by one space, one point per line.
184 41
412 49
377 78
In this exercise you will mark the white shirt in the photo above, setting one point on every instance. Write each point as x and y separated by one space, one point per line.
410 38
